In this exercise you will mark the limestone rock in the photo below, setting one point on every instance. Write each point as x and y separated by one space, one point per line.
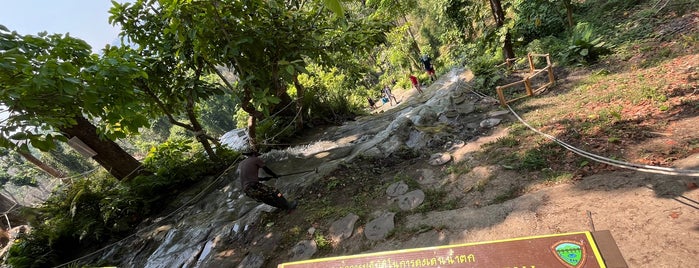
466 108
252 260
439 159
303 250
490 122
378 228
343 228
411 200
397 188
498 113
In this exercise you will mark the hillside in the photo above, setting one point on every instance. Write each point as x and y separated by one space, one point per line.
477 196
452 166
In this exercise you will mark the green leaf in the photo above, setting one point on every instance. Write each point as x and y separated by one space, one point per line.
19 136
335 6
43 145
5 143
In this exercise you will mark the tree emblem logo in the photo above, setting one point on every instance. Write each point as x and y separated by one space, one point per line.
571 253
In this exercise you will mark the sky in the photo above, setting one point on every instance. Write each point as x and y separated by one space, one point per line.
84 19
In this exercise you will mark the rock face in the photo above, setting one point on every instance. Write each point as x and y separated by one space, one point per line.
411 200
303 250
378 228
210 219
397 188
343 228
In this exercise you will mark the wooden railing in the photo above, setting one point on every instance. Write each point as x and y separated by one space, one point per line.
533 72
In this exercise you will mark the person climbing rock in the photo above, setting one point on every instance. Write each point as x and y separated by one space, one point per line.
250 182
427 61
415 82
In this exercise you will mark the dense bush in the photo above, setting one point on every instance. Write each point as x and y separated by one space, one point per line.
94 211
538 18
486 73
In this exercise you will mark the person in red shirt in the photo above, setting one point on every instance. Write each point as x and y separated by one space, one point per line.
250 182
416 83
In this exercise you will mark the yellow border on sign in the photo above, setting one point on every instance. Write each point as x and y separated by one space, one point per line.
593 245
595 250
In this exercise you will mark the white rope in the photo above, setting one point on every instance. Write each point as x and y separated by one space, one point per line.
80 175
612 162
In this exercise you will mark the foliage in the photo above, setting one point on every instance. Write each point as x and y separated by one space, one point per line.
330 95
550 45
583 48
66 159
486 73
83 215
217 114
61 68
537 19
15 171
92 211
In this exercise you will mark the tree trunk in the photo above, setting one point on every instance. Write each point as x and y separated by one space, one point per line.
110 156
254 116
41 165
415 46
300 92
198 130
569 13
499 16
38 163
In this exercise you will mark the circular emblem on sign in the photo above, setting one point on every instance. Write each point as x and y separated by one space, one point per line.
571 253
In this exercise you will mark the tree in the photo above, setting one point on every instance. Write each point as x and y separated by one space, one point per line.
266 43
470 17
174 86
52 86
499 16
400 9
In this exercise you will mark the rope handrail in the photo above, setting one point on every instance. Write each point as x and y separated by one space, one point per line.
609 161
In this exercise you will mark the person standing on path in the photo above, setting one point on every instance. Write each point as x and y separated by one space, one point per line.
387 93
416 83
250 182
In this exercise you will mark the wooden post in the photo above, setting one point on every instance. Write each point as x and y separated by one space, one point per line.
527 85
531 63
501 96
552 80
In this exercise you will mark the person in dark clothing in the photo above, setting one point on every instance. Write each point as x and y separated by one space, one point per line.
250 182
372 103
428 66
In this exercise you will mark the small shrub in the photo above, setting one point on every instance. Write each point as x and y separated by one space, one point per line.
486 74
533 160
584 46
